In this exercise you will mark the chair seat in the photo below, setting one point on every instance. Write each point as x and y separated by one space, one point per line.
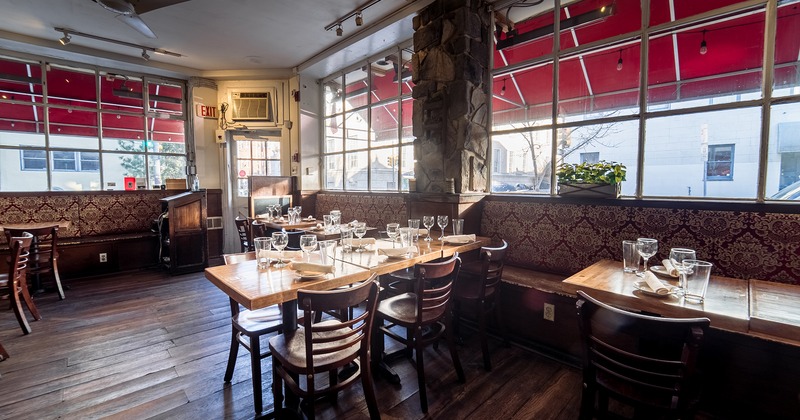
402 310
290 349
475 267
469 288
259 321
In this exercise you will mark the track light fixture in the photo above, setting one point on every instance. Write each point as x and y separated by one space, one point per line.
703 46
357 13
145 55
619 62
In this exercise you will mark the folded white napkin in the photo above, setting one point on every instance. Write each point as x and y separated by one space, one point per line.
656 285
396 252
362 241
459 239
670 268
287 255
270 313
311 267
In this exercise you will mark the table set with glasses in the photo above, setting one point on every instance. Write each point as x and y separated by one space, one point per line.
689 274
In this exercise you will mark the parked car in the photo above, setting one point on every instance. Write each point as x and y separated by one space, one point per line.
502 187
790 192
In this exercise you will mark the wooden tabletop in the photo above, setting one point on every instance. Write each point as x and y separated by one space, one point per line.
63 224
302 224
726 302
775 310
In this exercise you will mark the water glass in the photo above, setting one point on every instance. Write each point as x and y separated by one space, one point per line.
327 251
630 257
262 246
327 220
458 226
347 237
336 216
414 224
406 236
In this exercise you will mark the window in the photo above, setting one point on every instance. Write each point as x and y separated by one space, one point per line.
368 138
88 116
259 156
34 160
719 166
700 104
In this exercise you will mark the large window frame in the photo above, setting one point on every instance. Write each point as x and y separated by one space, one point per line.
366 141
764 100
141 132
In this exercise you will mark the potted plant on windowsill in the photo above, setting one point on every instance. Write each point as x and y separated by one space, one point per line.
599 180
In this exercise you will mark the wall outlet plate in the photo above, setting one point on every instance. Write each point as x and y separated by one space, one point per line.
549 312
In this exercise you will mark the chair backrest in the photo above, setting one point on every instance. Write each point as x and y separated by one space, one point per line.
493 260
43 248
640 360
434 285
240 257
342 341
243 229
18 260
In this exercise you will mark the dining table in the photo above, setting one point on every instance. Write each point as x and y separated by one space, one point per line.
256 288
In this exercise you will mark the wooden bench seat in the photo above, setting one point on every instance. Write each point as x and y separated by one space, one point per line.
539 280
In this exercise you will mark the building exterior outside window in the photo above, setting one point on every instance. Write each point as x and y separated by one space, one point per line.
73 127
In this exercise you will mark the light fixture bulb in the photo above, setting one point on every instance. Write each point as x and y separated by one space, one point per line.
503 89
703 45
145 55
339 30
65 39
359 19
619 62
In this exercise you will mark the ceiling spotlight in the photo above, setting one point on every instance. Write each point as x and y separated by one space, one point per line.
359 19
64 40
619 62
703 46
339 31
145 55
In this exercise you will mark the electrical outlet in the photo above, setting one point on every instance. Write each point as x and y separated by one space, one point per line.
103 257
549 312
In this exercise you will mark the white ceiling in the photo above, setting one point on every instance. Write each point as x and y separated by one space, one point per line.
218 39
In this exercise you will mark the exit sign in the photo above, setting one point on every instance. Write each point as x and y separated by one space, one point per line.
205 111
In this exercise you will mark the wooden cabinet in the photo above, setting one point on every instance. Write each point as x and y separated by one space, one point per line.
183 232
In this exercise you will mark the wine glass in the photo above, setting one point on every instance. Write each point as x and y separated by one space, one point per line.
360 229
442 221
392 231
308 243
427 221
676 257
298 211
279 241
646 247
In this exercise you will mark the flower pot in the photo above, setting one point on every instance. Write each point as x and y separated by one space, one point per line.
589 190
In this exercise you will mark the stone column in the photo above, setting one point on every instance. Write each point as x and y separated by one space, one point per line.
451 95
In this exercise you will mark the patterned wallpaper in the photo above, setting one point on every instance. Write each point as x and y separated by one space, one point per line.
375 209
565 238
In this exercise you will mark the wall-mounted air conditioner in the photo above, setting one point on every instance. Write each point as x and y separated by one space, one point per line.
254 106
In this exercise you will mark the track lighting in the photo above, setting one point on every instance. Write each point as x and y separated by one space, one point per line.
65 39
619 62
703 46
145 55
339 30
357 14
359 19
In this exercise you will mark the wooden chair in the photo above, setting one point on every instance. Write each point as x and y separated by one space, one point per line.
44 253
15 282
325 347
646 362
426 316
253 325
3 353
477 289
243 229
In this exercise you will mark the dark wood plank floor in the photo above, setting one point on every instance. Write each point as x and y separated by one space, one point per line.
147 345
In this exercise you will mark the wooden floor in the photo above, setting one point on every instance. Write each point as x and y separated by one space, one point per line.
147 345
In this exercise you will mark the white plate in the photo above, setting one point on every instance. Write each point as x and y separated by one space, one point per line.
308 275
661 271
642 286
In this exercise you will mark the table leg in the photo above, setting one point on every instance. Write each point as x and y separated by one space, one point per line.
289 312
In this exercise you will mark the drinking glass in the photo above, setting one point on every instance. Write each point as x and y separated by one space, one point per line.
442 221
676 257
262 246
298 211
427 221
360 229
646 247
630 257
308 243
292 215
276 212
327 251
279 241
347 237
697 277
337 217
327 220
391 231
458 226
414 224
